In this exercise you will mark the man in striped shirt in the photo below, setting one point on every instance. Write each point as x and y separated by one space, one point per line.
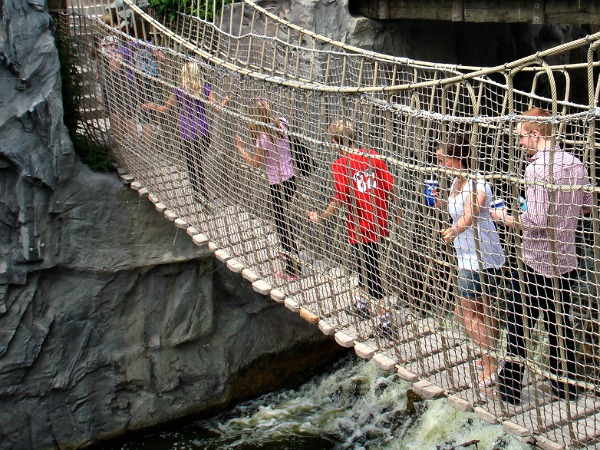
554 182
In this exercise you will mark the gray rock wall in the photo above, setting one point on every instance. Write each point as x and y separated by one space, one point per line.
110 318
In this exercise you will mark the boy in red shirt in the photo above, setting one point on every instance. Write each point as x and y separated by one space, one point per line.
363 184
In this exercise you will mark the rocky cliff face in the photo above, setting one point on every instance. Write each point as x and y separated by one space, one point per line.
110 318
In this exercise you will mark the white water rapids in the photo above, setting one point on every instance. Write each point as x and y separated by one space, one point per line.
354 406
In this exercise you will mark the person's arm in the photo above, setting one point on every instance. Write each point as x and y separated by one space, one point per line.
340 187
161 108
212 98
536 216
588 198
326 214
254 160
385 175
471 209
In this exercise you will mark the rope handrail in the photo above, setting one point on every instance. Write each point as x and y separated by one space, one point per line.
456 67
475 74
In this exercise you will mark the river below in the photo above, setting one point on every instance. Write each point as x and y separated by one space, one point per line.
354 406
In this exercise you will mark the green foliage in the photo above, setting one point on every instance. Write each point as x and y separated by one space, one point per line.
202 8
92 154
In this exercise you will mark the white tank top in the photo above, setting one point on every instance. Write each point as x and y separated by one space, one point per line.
491 254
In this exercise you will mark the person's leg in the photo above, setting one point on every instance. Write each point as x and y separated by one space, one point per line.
558 323
292 264
518 310
374 284
486 321
358 258
470 311
359 304
279 214
189 149
201 149
370 252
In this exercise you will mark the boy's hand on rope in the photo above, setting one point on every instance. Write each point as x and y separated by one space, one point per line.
312 215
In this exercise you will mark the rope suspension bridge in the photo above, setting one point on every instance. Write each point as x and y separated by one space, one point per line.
254 136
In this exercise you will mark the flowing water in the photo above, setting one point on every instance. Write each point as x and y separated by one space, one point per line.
354 406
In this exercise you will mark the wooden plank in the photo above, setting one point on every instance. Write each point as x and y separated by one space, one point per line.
427 389
586 430
365 350
309 316
550 418
384 361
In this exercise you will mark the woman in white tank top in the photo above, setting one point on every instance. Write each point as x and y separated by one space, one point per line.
479 253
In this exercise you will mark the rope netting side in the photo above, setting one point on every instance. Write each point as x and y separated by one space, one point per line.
203 136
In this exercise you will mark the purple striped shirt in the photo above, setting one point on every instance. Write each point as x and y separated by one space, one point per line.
545 245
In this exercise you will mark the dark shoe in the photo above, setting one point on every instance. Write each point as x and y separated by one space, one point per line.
564 391
510 382
384 329
362 312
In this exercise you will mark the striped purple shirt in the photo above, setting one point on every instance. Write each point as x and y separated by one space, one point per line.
545 244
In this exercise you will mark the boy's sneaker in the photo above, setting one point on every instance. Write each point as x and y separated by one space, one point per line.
359 309
384 327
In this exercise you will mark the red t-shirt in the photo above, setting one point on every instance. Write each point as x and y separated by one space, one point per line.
363 180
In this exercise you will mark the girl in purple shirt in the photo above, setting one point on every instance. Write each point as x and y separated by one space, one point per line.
272 149
191 101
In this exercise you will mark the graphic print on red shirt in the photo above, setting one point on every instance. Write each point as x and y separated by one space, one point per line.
363 183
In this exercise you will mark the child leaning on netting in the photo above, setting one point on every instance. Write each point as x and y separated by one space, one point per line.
479 254
272 150
363 184
192 99
134 65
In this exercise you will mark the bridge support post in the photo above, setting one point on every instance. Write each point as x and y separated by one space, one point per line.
539 12
458 11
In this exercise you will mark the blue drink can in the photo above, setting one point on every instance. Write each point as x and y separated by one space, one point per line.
430 187
497 204
523 203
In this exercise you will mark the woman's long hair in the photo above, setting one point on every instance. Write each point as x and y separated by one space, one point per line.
264 121
458 147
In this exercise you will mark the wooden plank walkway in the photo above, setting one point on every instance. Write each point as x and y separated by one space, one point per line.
427 350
